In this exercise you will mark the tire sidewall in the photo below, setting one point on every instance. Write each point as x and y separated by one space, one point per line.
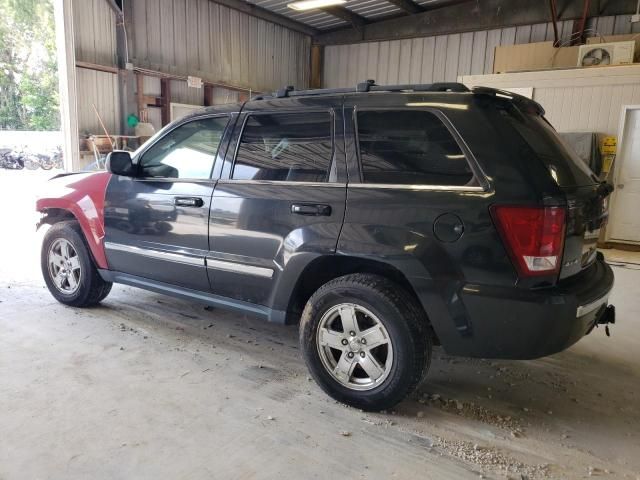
400 336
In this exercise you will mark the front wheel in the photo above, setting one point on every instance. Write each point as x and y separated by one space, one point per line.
68 269
365 341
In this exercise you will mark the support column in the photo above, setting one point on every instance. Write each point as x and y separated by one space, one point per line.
317 57
65 44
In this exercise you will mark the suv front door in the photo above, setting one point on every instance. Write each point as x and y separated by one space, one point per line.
279 203
156 224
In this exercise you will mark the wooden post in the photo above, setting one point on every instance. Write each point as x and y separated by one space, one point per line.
317 54
140 94
208 95
165 92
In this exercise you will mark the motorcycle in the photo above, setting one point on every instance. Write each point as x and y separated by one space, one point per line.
11 160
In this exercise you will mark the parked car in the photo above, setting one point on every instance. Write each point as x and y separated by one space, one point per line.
385 220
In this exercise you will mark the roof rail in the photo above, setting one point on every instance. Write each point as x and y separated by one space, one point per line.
367 86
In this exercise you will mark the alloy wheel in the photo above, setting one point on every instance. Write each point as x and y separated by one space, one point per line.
354 346
64 266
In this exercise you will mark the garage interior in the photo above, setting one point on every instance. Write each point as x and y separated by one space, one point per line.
146 386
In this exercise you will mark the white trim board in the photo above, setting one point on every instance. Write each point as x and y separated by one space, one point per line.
574 77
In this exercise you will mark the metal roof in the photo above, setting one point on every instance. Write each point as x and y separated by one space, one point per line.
369 10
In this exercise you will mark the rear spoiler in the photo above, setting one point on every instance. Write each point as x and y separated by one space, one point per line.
514 97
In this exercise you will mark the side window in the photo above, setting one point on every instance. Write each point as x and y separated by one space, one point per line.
294 147
410 147
188 151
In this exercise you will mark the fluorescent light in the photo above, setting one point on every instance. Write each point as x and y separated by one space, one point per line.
311 4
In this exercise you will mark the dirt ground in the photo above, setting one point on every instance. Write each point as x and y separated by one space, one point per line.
149 387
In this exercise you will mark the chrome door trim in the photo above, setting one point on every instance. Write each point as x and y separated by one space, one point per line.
281 182
234 267
157 254
457 188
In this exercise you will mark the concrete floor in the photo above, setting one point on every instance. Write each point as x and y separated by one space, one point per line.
146 386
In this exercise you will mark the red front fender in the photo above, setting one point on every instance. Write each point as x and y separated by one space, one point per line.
83 196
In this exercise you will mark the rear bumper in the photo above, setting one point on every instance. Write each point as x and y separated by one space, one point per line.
516 324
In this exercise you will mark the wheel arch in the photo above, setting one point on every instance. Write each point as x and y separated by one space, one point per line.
325 268
78 197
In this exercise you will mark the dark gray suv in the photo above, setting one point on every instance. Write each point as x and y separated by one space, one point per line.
384 220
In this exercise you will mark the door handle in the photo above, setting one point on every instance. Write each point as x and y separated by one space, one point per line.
188 202
307 209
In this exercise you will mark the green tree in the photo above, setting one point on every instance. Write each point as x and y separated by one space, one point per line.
28 67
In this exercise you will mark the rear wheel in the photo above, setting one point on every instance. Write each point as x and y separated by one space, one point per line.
68 269
365 341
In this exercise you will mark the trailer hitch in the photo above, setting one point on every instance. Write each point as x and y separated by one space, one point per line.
607 317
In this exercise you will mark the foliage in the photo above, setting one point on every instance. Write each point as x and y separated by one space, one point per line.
28 68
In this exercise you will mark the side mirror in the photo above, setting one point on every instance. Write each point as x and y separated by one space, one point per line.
119 162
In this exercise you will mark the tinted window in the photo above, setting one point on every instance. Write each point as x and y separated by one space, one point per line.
188 151
288 147
410 147
566 168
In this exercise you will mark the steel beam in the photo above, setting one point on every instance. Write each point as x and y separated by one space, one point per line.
471 16
268 16
342 13
407 5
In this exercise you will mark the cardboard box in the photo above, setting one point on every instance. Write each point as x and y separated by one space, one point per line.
533 56
619 38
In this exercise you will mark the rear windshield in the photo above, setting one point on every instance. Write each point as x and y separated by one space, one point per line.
565 166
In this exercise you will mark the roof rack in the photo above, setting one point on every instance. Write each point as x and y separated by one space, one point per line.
367 86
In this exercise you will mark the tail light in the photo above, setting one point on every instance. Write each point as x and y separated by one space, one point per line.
533 236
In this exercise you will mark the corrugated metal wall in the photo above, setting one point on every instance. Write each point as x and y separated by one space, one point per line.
443 58
205 39
94 28
99 89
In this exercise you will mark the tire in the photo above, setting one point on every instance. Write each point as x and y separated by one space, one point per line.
31 164
71 276
376 301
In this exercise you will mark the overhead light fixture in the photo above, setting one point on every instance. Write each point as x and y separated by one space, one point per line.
313 4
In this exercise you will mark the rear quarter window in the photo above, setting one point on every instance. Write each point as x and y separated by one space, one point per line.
410 147
564 165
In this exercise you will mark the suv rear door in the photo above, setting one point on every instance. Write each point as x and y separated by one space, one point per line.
417 199
280 200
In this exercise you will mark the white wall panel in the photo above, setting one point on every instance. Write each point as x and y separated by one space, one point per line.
440 58
205 39
577 100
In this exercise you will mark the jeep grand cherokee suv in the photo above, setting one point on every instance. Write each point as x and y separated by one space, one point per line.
384 220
